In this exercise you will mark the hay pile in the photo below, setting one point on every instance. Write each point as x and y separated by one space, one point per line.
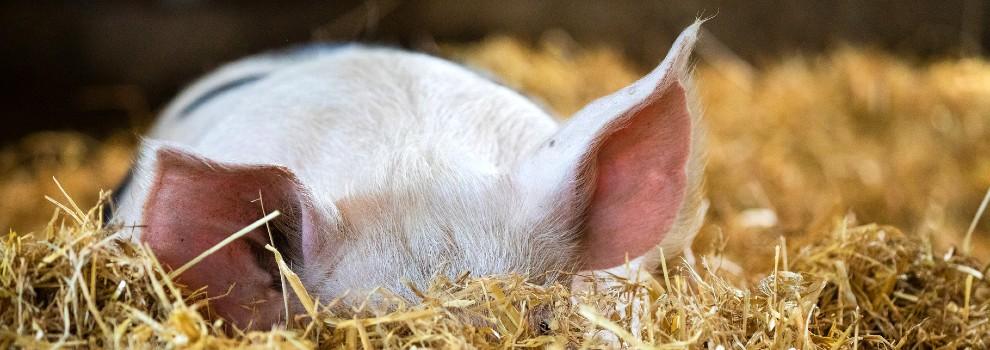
82 164
800 152
868 286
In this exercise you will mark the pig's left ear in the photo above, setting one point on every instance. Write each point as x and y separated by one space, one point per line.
627 162
195 203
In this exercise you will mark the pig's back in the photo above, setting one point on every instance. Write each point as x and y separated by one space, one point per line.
333 116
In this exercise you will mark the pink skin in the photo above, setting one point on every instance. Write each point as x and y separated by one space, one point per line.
195 206
640 181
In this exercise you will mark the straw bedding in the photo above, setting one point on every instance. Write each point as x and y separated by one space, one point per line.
801 151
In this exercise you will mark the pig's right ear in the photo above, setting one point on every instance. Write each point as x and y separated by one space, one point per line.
194 203
627 167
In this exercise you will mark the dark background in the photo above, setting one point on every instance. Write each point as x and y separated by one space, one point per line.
99 66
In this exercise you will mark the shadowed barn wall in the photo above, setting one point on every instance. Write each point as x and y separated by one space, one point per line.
101 66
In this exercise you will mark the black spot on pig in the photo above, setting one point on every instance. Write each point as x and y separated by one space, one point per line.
217 91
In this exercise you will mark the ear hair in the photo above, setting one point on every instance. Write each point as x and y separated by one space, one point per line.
692 213
634 160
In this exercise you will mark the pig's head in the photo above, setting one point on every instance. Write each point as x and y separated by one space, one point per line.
619 181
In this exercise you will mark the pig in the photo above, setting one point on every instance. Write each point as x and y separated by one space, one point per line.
391 167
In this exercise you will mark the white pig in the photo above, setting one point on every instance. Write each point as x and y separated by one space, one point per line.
390 166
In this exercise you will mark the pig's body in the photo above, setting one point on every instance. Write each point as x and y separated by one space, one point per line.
393 165
355 121
362 106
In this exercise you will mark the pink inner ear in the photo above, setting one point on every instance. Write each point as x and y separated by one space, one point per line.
641 178
193 205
